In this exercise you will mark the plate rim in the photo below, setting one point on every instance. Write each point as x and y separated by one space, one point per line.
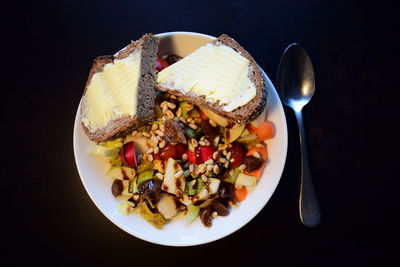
245 221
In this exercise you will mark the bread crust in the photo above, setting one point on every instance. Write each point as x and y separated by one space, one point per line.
241 115
118 127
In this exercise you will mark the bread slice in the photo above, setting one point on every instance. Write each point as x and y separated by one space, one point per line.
119 125
243 114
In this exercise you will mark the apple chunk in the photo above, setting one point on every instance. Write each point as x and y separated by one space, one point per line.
167 206
221 121
172 182
231 134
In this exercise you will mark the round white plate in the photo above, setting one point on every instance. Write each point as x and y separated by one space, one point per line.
178 232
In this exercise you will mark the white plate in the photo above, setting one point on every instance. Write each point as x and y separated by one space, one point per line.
177 232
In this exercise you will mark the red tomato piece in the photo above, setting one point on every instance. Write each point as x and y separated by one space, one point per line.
206 153
238 152
193 156
161 64
169 151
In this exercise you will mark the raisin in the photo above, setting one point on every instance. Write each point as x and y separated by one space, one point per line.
252 163
117 187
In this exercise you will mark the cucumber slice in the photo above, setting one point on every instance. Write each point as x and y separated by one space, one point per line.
144 176
246 180
232 178
193 213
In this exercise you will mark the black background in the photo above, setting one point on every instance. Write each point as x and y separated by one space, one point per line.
351 125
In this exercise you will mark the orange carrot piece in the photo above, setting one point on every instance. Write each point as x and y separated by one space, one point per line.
251 128
240 193
265 131
264 155
203 115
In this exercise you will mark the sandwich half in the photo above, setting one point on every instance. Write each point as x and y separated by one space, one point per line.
120 92
220 76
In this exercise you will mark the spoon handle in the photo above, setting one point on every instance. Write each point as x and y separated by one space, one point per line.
308 203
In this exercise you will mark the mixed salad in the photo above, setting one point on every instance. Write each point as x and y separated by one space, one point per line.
188 159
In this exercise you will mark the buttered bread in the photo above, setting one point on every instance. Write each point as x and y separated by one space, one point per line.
120 92
220 76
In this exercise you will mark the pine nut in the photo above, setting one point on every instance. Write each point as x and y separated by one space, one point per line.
213 123
150 157
202 143
163 104
154 127
160 133
202 168
191 148
204 178
179 112
222 160
186 173
139 134
194 142
210 167
134 133
228 155
154 139
216 169
165 109
178 174
160 176
146 134
170 115
256 155
171 105
156 150
182 119
150 150
184 157
193 126
226 165
214 214
215 155
162 127
242 167
162 144
210 161
191 167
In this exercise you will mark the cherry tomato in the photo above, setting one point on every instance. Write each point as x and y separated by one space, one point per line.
127 154
193 156
161 64
180 150
169 151
157 156
206 153
238 152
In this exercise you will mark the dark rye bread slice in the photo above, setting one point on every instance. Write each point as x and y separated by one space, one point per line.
148 44
243 114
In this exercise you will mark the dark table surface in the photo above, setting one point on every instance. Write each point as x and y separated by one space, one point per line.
350 124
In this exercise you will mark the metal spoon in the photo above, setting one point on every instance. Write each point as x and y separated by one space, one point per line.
296 87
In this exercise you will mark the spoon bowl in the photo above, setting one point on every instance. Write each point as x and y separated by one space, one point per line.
296 82
296 86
